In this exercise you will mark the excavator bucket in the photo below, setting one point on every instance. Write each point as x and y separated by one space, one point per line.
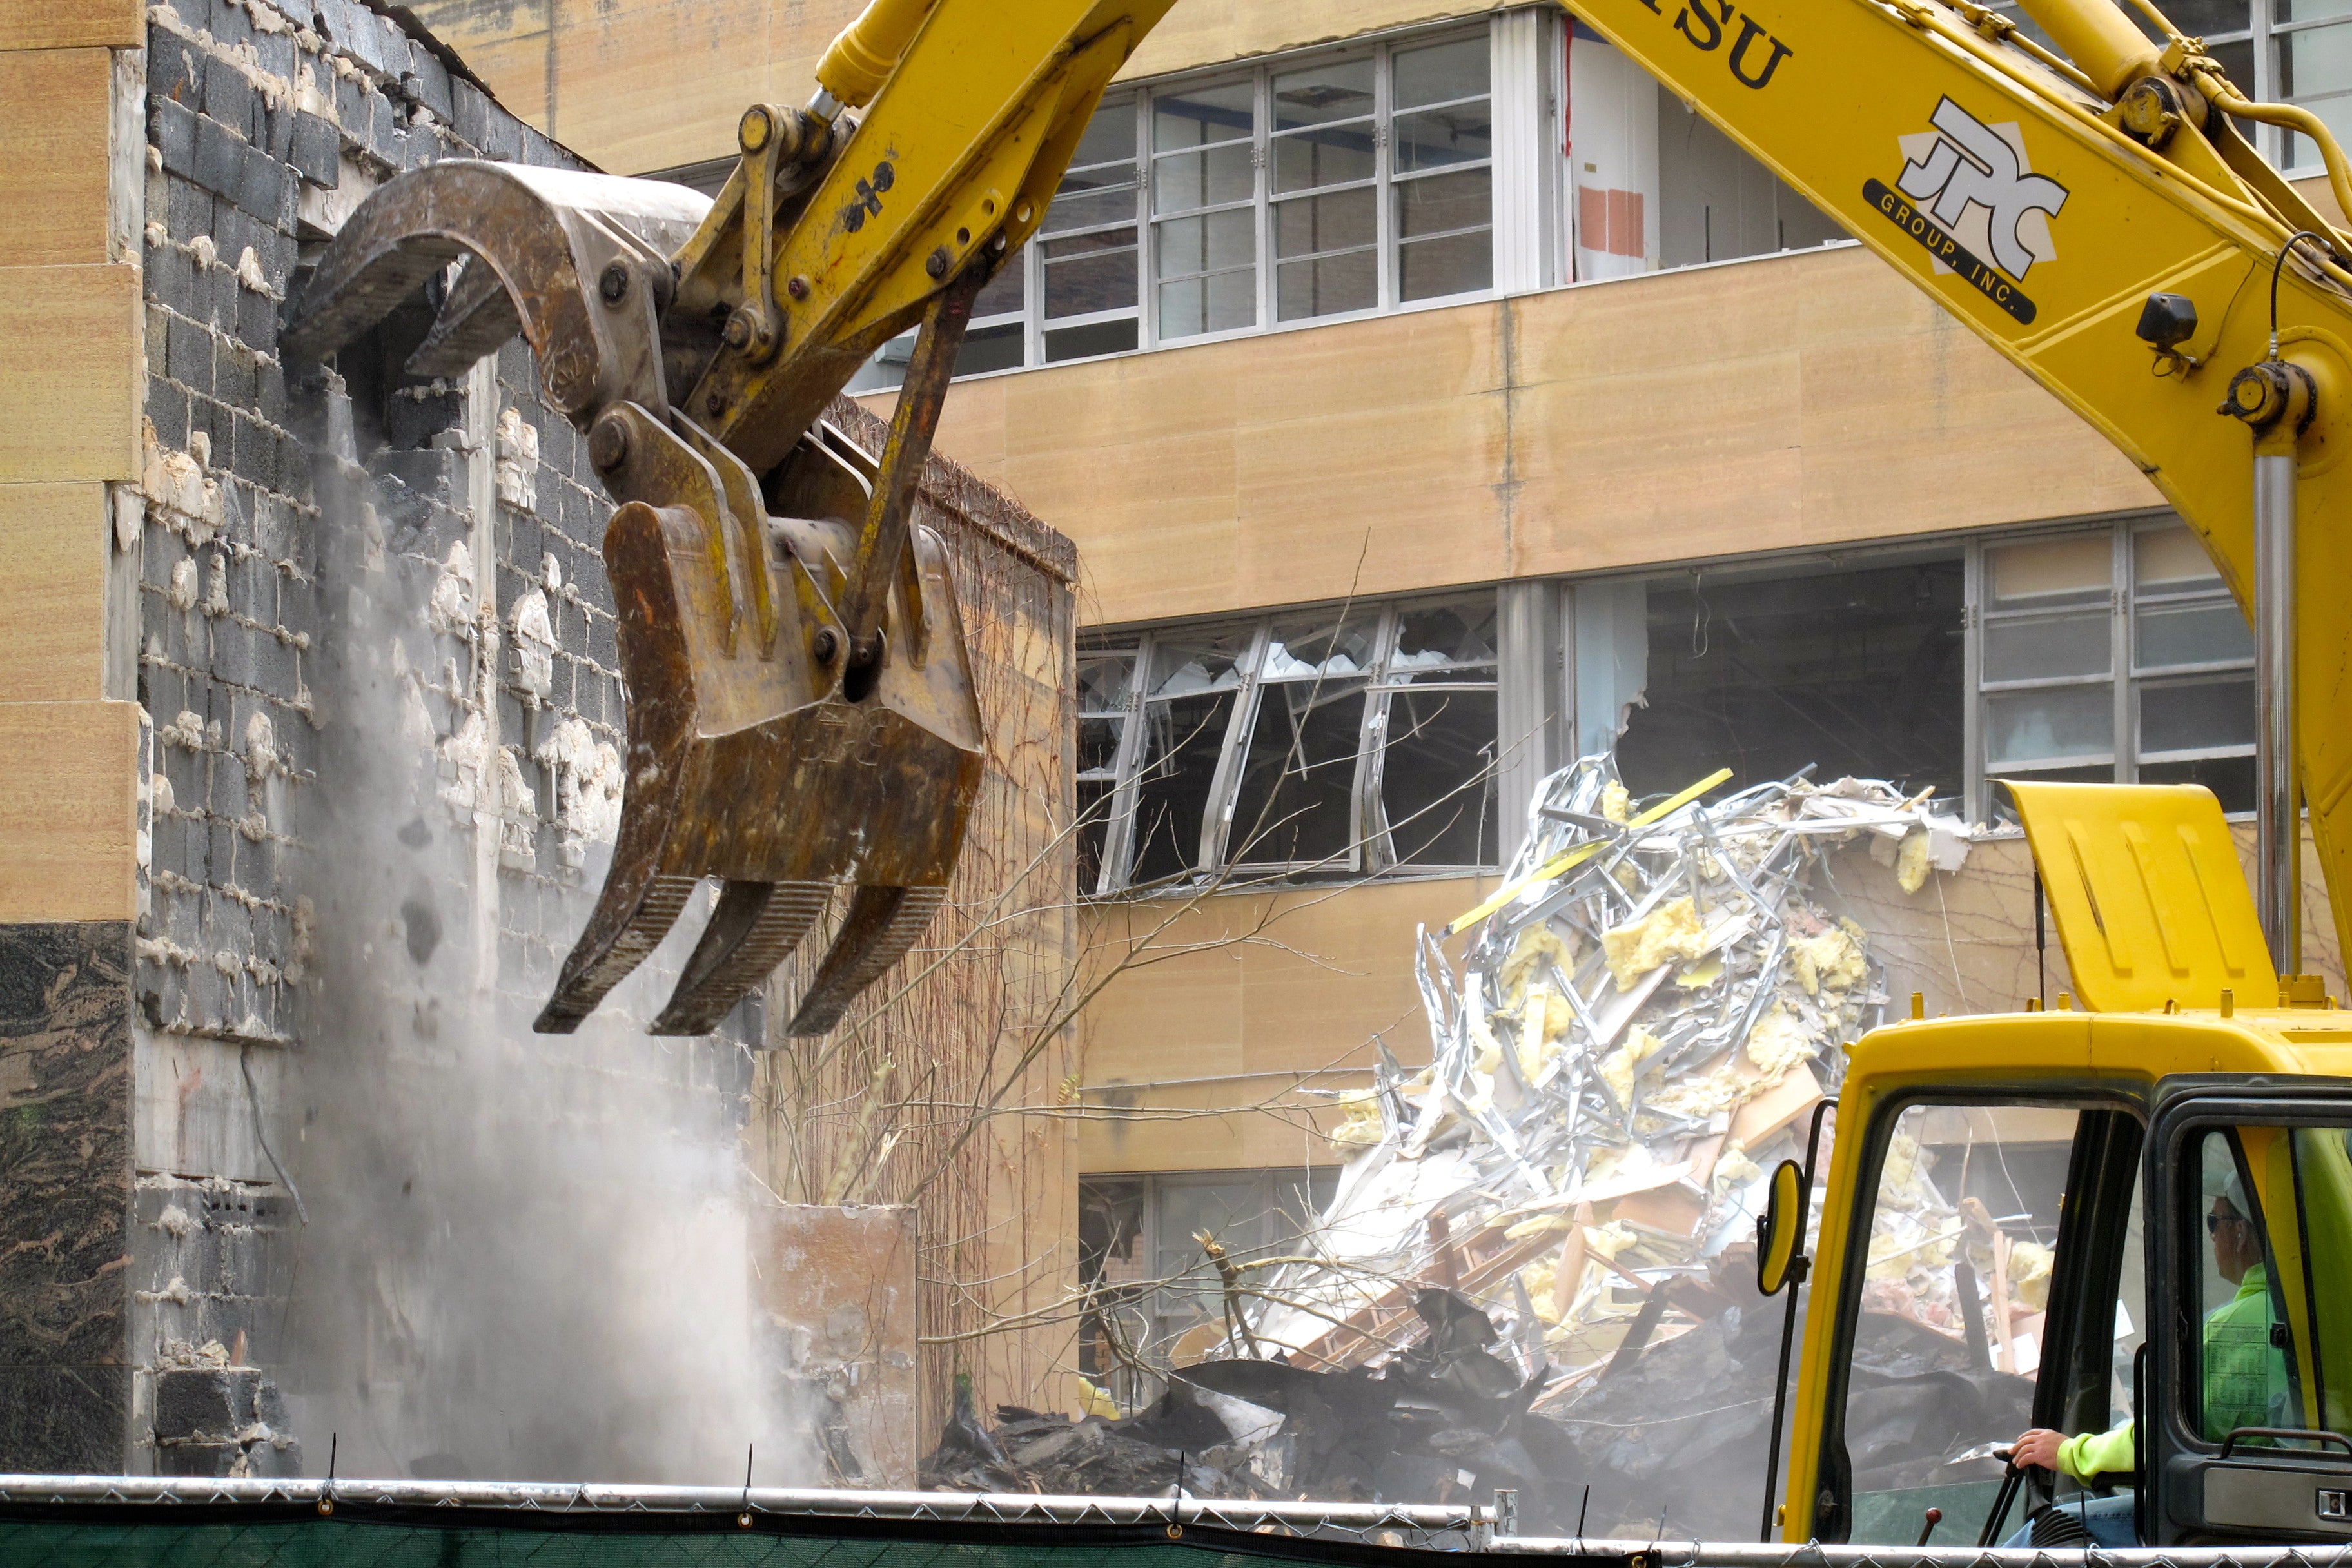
770 746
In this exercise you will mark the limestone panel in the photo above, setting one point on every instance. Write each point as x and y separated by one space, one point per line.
53 155
69 781
72 25
70 373
54 538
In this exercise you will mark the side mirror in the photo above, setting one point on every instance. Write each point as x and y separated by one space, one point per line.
1780 1230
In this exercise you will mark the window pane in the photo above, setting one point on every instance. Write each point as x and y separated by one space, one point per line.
1299 779
999 347
1090 209
1004 294
1855 667
2073 569
1441 72
1437 787
1219 302
2316 61
1320 645
1340 221
1094 801
1094 338
1209 243
1109 138
2046 649
1457 633
1963 1230
2197 715
2210 18
2232 779
2054 724
1093 273
1322 94
1445 202
1182 741
2244 1377
2170 561
1330 156
1326 287
1435 138
1183 181
1195 117
2172 635
1103 682
1432 268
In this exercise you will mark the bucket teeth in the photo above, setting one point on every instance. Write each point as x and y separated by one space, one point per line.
882 924
755 927
616 943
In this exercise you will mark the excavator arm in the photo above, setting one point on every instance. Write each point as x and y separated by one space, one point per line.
2092 212
800 710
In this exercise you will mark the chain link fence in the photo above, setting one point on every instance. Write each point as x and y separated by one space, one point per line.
49 1522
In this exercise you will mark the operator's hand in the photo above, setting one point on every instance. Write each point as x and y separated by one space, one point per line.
2038 1447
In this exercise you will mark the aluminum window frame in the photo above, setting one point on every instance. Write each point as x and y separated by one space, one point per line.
1371 847
2128 678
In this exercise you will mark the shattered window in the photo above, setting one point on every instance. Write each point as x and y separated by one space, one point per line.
1158 1300
2114 655
1855 667
1315 743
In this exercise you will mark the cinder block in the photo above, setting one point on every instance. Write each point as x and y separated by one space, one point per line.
167 408
173 70
229 97
470 113
316 151
188 353
187 208
220 158
232 374
171 128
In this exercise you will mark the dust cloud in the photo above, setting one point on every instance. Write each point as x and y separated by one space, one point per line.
525 1255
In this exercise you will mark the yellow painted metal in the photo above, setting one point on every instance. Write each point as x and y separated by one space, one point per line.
1852 100
2150 903
2008 1056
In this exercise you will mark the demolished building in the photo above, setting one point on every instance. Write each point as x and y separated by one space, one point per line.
1537 1272
317 666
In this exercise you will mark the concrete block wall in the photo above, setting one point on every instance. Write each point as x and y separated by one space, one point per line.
458 529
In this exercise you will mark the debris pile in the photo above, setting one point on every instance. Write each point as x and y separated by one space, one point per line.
1538 1271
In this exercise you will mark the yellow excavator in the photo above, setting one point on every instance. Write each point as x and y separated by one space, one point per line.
2130 1224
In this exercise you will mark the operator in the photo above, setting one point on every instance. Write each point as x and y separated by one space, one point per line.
2245 1378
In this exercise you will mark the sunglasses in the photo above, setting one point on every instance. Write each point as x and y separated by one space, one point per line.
2214 1222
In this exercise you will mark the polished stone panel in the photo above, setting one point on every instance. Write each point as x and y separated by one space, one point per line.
65 1195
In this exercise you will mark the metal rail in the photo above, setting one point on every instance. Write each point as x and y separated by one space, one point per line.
1469 1528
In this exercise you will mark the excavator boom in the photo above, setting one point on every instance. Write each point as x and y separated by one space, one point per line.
800 708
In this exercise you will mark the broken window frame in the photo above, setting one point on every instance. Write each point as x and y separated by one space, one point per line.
1370 845
2129 677
1292 1196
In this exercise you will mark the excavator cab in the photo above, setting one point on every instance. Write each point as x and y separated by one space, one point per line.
2130 1224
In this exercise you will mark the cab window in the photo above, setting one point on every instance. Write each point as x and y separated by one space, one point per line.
2273 1347
1953 1333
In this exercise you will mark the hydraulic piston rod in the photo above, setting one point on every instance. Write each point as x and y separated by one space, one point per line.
2279 829
2275 399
